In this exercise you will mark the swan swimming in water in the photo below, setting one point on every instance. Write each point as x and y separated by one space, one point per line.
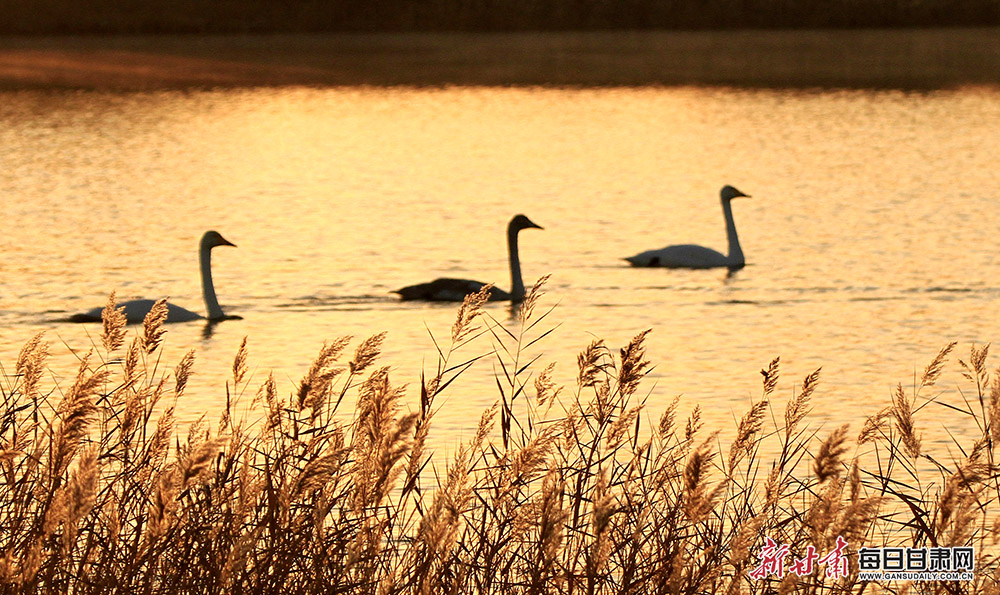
691 256
136 310
455 290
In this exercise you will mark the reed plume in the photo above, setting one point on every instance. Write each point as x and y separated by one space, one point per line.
471 308
934 369
152 326
749 426
113 323
316 384
798 406
828 463
902 412
30 366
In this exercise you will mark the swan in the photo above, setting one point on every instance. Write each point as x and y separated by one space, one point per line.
455 290
136 310
691 256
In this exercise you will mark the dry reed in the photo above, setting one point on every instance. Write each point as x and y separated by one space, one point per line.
571 491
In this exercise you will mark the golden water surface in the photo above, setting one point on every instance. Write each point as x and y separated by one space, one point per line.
871 238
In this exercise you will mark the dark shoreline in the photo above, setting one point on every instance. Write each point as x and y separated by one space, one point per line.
908 59
153 17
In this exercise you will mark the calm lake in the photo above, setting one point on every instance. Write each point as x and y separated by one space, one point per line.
870 237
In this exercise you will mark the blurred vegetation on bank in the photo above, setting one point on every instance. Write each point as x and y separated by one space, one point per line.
63 17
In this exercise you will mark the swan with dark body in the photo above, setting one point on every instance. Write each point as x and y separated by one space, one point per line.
136 310
692 256
455 290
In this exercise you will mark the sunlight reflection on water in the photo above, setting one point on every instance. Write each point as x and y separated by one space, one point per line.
868 239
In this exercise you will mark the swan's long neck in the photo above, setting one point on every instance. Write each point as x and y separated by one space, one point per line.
207 287
735 252
516 285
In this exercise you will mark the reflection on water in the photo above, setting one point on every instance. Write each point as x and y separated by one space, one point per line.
868 238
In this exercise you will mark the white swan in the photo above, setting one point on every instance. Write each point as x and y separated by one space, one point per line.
691 256
455 290
136 310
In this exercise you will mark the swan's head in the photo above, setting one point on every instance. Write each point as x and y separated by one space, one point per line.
520 222
211 239
729 193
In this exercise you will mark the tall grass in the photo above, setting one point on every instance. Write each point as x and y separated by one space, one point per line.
579 489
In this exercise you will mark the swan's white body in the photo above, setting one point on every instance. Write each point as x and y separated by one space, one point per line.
455 290
136 310
692 256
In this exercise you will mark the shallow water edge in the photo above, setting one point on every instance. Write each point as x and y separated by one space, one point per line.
917 59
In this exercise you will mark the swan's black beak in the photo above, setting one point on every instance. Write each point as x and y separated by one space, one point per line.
520 222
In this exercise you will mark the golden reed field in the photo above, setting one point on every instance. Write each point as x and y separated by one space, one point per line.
562 489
